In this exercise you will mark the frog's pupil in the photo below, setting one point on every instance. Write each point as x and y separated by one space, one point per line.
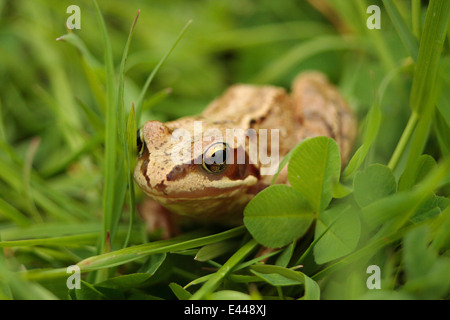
219 156
215 161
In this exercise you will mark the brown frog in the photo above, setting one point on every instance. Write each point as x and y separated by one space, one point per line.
209 182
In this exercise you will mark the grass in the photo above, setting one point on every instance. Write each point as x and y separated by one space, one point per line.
69 110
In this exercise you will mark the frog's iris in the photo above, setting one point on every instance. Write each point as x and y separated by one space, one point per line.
214 158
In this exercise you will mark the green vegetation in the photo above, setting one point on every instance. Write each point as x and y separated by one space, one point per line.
69 110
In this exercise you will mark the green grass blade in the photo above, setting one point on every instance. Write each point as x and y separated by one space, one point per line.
373 121
48 230
404 139
5 289
218 277
156 98
131 160
442 130
55 203
416 13
85 148
26 179
123 134
302 52
120 91
122 256
110 133
279 275
77 42
128 135
132 253
24 290
74 240
11 213
404 32
2 126
423 97
140 99
267 33
424 93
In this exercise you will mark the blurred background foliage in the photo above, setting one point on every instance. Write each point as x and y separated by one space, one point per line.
52 98
43 82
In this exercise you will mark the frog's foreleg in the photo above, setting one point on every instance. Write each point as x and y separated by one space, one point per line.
158 219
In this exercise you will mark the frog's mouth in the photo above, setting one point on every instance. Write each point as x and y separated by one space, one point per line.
216 203
215 190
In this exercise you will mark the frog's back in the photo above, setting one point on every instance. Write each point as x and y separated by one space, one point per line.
321 111
314 108
257 107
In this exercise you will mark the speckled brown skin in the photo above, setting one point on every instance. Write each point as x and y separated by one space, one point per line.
315 108
323 112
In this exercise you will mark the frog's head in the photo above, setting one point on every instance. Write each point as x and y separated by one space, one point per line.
190 168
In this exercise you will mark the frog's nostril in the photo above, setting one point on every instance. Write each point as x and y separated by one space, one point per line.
177 172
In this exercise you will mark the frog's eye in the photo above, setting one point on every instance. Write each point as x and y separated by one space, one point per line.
214 158
140 144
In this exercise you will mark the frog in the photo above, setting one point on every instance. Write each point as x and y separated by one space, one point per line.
208 183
